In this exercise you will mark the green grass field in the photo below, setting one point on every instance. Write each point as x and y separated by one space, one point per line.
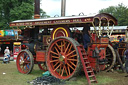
13 77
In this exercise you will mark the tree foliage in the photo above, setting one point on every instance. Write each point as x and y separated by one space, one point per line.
11 10
15 9
120 12
43 14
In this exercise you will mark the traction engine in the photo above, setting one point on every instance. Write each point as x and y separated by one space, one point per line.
55 45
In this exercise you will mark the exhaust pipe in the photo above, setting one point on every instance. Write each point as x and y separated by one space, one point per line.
63 6
37 9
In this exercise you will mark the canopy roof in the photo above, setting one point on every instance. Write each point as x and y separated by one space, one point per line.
70 20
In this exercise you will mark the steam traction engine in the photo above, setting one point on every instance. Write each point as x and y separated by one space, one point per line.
55 44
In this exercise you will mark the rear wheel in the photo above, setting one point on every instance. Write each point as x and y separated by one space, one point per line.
42 66
25 62
111 57
63 59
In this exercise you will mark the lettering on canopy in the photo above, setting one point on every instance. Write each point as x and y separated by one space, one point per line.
52 22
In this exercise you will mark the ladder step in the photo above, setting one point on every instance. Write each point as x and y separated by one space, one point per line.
85 58
87 62
89 71
84 54
92 76
88 67
93 80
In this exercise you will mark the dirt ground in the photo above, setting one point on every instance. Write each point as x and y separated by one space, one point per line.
119 77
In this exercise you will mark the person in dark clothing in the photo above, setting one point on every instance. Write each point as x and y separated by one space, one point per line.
86 36
126 60
120 39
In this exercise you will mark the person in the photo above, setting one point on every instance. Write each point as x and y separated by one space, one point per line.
7 53
117 43
126 60
120 39
86 36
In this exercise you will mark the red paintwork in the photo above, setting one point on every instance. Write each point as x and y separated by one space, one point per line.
65 50
60 32
99 43
86 66
40 56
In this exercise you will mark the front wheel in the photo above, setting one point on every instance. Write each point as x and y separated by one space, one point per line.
25 62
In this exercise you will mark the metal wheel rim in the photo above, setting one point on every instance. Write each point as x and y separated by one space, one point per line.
63 66
111 57
24 62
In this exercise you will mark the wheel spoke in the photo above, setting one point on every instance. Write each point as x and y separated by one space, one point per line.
58 46
72 63
72 56
54 57
54 61
57 50
56 64
70 49
22 68
62 72
62 46
70 66
72 59
25 58
27 62
57 67
66 70
27 66
71 52
53 52
60 69
67 48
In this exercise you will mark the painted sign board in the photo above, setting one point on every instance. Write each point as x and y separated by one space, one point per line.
8 33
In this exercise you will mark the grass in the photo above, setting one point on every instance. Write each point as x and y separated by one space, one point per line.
81 80
13 77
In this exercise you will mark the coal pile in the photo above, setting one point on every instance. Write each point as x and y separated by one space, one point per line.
47 80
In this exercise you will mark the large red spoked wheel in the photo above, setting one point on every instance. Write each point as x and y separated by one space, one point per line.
60 31
42 66
25 62
63 59
111 57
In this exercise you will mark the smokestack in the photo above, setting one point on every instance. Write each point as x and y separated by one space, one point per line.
63 5
37 9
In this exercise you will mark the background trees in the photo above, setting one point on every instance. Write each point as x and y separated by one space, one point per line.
120 12
11 10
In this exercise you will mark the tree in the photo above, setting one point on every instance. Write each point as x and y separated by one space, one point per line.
11 10
120 12
14 9
43 14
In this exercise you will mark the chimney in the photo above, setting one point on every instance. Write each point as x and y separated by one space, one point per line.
37 9
63 5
